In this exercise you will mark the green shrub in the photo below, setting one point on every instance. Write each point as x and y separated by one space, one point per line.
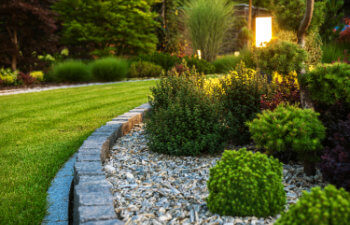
70 71
226 63
201 65
328 84
110 69
183 120
280 56
319 207
7 76
333 52
244 183
287 128
164 60
145 69
239 94
208 23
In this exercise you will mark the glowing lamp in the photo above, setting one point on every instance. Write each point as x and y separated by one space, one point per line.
263 31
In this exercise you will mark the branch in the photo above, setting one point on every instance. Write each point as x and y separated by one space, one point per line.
305 23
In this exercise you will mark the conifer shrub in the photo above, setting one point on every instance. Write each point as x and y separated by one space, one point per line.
244 183
183 120
110 69
319 207
145 69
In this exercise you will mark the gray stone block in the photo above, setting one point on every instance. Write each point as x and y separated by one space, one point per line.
90 168
81 157
144 106
94 213
101 186
94 199
89 151
105 222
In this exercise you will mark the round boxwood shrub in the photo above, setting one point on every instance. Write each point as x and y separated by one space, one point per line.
145 69
244 183
70 71
319 207
110 69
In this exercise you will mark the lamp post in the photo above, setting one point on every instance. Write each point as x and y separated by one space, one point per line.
263 31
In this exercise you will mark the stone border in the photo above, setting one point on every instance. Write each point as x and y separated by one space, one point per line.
93 200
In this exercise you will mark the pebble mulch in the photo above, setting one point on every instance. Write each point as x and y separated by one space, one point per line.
151 188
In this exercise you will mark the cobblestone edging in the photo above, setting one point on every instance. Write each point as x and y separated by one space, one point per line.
93 200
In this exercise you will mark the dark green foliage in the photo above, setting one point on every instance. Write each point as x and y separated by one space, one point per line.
288 128
183 120
244 183
289 14
201 65
334 15
70 71
227 63
335 52
145 69
164 60
240 99
319 207
109 69
107 27
280 56
328 84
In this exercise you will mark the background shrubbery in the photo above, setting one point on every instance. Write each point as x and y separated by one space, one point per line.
70 71
109 69
145 69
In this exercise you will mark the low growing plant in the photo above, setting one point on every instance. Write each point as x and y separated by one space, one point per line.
110 69
289 128
244 183
164 60
319 207
201 65
145 69
70 71
227 63
7 76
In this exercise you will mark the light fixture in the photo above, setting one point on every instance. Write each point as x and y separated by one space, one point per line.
263 31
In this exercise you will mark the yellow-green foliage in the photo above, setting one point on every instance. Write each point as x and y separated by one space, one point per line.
38 75
330 206
7 76
287 128
244 183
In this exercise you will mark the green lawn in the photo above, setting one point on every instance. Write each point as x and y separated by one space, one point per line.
40 131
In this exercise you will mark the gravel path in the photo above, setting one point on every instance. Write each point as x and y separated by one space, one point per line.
151 188
39 89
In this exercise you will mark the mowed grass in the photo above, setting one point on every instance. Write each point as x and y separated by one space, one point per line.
40 131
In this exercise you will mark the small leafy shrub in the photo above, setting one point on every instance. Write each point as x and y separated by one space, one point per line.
38 75
287 128
335 164
226 63
239 94
246 184
7 76
319 207
26 79
110 69
201 65
280 56
145 69
183 120
70 71
285 89
328 84
164 60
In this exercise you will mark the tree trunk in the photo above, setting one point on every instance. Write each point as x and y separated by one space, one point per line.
304 25
14 39
249 20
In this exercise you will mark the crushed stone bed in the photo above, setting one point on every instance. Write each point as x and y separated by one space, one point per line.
152 188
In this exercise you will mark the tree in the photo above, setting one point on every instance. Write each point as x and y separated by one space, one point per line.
107 27
26 27
334 17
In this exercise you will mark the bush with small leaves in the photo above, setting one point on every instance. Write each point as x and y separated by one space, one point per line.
289 128
164 60
319 207
328 83
183 120
244 183
145 69
110 69
201 65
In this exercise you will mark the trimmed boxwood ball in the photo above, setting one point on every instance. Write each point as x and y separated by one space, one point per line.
244 183
110 69
319 207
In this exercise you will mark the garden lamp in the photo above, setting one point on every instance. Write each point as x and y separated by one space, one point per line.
263 31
